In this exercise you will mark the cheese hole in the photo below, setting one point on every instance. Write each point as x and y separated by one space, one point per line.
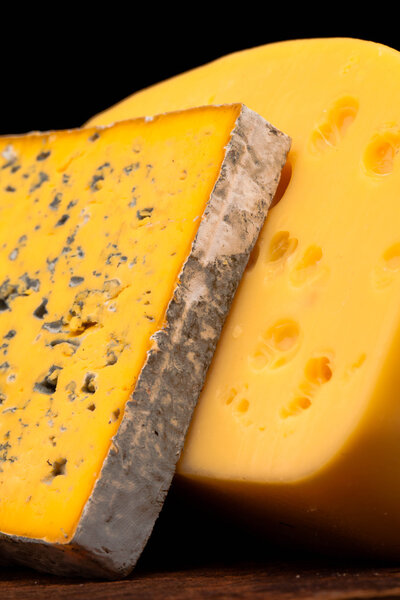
302 403
283 335
111 358
261 357
280 362
307 388
243 406
89 385
296 407
91 407
331 131
344 113
3 305
380 153
275 346
318 370
324 136
311 257
231 396
391 257
284 181
353 368
115 415
58 468
381 158
360 361
306 268
281 246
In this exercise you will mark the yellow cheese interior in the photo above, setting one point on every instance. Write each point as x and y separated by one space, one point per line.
95 226
301 410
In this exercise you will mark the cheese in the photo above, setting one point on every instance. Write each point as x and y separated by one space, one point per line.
298 425
121 249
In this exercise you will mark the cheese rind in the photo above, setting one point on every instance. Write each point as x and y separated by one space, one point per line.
107 511
298 422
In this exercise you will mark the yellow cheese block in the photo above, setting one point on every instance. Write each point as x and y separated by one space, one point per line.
121 249
299 420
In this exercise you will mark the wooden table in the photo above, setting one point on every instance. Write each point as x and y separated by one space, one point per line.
201 556
275 580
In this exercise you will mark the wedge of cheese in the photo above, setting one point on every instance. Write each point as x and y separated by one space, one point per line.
121 249
298 425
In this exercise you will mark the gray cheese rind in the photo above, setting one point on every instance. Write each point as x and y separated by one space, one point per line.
128 495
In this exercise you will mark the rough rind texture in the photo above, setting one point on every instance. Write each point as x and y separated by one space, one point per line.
120 514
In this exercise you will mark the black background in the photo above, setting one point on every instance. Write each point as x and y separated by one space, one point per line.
58 70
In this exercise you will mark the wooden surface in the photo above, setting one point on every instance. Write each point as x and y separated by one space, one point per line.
198 555
275 580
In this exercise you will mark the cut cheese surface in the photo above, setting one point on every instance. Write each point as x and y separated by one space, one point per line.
300 414
121 250
94 228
